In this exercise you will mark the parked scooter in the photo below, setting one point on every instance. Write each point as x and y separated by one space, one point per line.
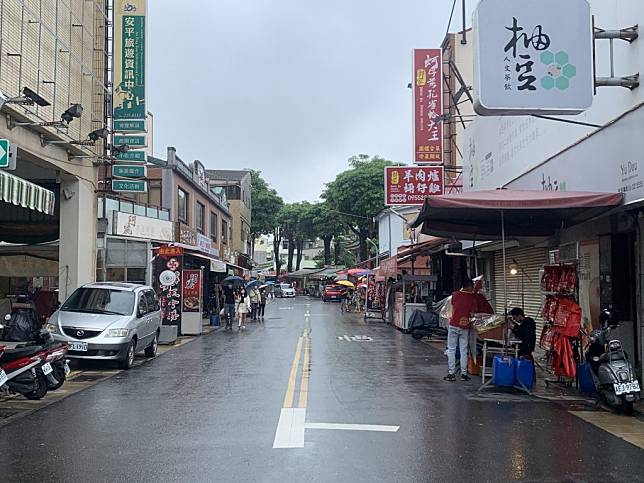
21 371
612 372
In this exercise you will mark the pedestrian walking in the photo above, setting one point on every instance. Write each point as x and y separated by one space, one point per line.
464 303
244 308
262 303
255 299
229 306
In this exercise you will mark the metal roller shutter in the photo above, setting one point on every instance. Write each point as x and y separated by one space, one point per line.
530 262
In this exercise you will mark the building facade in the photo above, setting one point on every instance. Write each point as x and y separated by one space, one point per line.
53 62
237 187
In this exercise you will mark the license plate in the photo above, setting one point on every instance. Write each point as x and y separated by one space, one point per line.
46 368
627 387
3 378
78 346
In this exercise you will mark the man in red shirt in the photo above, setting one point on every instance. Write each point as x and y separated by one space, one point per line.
465 302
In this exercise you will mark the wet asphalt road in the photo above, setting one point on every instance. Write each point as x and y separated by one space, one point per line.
209 411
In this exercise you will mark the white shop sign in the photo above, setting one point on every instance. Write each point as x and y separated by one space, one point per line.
611 160
533 57
137 226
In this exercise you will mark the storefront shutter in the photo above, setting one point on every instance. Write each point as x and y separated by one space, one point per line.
530 262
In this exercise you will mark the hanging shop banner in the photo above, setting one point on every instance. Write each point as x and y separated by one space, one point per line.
129 60
428 106
186 235
533 57
167 283
410 185
191 290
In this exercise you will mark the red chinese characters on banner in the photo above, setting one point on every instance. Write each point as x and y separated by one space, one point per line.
428 106
410 185
191 290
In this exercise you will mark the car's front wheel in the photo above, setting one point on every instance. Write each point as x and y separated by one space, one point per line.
151 350
128 361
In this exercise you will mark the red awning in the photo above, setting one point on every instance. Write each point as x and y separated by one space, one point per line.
477 214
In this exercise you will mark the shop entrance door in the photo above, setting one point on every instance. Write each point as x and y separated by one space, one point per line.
618 287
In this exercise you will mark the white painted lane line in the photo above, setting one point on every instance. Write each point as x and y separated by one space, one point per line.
290 428
353 427
346 337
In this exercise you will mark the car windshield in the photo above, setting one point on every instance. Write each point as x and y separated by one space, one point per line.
285 286
100 301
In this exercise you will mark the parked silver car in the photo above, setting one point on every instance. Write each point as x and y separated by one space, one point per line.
285 290
109 321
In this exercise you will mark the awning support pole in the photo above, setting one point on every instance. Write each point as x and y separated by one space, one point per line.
505 282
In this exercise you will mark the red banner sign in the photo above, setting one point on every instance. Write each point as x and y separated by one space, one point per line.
410 185
168 251
428 106
191 285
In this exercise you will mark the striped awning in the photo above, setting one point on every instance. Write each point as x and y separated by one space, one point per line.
21 192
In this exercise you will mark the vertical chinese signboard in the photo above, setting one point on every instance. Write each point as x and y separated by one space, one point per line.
191 290
533 57
167 283
410 185
428 106
129 61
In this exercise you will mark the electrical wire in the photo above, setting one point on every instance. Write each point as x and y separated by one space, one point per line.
449 24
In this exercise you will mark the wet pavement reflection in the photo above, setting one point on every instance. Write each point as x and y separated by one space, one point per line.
359 401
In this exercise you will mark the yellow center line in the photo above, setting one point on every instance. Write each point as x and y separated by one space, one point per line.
290 390
304 383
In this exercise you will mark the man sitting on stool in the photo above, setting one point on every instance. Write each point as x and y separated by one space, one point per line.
526 330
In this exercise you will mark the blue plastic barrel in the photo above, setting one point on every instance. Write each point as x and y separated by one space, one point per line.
586 382
503 371
524 372
214 320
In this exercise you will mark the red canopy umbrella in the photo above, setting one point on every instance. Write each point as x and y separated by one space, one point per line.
494 214
358 272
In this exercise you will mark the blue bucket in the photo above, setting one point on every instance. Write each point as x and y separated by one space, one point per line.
503 371
524 372
214 320
586 382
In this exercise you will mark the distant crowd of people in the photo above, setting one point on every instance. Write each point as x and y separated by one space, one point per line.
245 304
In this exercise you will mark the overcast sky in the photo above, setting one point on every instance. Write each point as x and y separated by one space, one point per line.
290 87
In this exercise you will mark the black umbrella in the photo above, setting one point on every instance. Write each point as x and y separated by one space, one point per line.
233 280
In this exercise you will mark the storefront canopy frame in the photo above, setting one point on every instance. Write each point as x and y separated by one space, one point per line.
21 192
475 215
514 213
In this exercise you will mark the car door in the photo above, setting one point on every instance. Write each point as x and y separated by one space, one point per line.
142 320
154 308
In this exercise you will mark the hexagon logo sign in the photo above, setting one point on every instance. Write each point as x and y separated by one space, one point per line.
533 57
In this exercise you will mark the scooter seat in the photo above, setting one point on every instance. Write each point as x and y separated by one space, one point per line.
611 356
13 354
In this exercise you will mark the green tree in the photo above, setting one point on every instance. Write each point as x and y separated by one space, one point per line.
326 226
357 196
265 206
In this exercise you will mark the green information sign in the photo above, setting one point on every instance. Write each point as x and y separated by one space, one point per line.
5 153
129 126
129 60
128 186
129 140
132 156
129 171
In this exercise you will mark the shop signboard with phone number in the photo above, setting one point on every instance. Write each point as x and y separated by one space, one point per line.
410 185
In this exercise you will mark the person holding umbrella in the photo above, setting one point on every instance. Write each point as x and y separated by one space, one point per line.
262 302
255 299
229 305
244 308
